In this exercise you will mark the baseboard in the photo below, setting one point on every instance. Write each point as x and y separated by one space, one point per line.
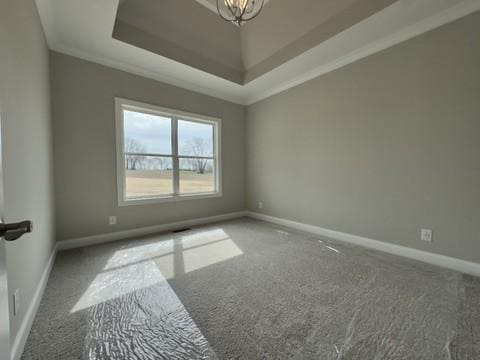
459 265
451 263
120 235
26 325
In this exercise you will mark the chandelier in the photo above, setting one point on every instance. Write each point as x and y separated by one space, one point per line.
239 11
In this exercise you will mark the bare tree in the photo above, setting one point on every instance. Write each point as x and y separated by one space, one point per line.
132 147
199 147
159 163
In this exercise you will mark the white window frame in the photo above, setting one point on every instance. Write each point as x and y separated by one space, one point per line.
125 104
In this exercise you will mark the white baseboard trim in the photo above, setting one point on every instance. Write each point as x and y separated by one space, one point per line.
26 325
463 266
125 234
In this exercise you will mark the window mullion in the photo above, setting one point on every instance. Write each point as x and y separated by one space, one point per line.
176 165
215 158
201 177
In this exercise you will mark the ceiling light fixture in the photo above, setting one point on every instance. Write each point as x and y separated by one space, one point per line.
239 11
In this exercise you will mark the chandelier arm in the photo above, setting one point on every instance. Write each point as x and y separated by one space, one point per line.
237 19
242 11
221 14
257 13
232 7
250 7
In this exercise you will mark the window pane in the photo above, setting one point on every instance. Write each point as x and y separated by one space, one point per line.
195 139
146 133
148 176
197 176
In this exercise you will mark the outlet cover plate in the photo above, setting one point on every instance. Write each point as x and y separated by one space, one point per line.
426 235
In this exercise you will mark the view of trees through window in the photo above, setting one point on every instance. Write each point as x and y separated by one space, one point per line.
153 163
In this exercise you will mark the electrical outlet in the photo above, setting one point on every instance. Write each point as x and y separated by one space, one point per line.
260 204
426 235
16 302
112 220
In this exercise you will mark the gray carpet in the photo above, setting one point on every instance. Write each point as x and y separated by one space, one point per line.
245 289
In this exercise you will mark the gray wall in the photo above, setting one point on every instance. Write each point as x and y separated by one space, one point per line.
380 148
84 148
27 156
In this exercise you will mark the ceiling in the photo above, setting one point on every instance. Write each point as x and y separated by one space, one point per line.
240 54
184 31
183 43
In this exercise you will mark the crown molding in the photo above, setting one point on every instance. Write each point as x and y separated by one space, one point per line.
198 87
399 22
444 17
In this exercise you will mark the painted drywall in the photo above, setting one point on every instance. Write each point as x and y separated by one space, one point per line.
283 24
237 54
27 153
84 148
379 148
185 31
270 31
132 35
271 41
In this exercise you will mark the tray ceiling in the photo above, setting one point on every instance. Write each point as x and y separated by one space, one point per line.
182 43
186 32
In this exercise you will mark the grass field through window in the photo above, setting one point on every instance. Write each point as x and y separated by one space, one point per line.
151 183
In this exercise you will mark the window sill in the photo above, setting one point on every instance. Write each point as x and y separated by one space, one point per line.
167 199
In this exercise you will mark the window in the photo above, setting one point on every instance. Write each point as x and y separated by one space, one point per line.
165 155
